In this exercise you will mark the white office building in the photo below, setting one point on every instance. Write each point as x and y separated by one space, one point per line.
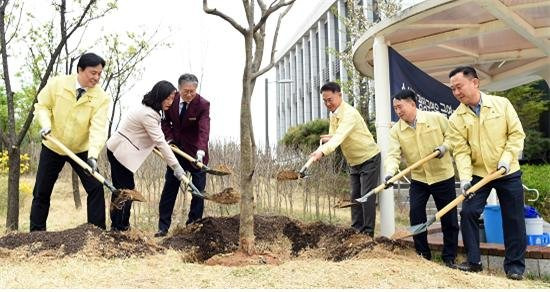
304 65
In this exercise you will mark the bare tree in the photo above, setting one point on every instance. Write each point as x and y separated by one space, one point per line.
254 41
44 62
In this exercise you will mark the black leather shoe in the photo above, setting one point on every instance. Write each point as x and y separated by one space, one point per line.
161 233
470 267
514 276
450 264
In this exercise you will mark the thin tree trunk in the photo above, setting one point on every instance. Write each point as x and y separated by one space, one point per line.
76 190
12 218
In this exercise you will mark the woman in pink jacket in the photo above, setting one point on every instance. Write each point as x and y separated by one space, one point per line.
134 140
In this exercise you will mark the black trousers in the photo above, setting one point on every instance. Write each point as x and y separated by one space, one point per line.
443 193
49 166
170 192
363 178
510 195
122 179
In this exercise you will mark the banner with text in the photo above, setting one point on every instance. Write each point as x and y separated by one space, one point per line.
432 94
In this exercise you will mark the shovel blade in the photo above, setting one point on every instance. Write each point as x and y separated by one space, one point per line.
417 229
287 175
365 197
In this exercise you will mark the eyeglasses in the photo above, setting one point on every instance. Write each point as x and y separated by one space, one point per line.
188 92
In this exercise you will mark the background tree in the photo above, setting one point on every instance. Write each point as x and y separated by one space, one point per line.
359 89
530 102
254 42
44 47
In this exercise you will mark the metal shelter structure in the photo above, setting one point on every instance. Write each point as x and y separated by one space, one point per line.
507 41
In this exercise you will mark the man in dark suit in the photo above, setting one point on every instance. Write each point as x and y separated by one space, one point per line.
187 125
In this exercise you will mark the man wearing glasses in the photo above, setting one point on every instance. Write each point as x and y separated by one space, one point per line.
187 125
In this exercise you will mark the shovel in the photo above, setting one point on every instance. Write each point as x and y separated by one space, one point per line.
398 176
293 175
186 180
227 196
220 171
121 195
417 229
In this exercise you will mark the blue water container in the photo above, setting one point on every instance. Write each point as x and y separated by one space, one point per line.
492 219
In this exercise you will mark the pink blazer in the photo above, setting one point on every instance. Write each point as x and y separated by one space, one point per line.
135 138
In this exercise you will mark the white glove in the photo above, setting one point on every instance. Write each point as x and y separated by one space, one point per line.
505 165
442 149
179 173
45 131
200 156
465 185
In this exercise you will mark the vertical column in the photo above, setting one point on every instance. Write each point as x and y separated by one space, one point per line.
293 103
306 88
299 82
314 73
323 68
331 43
383 124
278 101
288 97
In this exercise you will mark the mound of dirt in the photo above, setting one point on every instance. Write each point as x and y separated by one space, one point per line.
218 236
86 239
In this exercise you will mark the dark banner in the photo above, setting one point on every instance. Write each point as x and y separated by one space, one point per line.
432 94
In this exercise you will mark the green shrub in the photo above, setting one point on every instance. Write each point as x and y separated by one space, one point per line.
306 136
538 177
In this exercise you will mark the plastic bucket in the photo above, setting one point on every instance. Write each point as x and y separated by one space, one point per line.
492 219
533 226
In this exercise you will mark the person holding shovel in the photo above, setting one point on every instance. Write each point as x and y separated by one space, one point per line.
416 135
73 109
134 140
487 135
349 131
187 125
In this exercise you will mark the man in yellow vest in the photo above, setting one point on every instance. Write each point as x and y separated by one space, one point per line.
73 109
349 131
416 135
486 135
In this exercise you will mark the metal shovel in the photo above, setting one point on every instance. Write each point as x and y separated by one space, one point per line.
121 195
293 175
417 229
398 176
185 180
202 166
227 196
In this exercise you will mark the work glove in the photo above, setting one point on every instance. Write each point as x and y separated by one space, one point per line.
464 186
442 149
200 156
386 179
179 173
506 166
92 162
45 131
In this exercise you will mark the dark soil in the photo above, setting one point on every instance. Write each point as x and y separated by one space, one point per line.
86 239
213 236
210 238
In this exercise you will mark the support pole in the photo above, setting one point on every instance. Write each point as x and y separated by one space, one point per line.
383 124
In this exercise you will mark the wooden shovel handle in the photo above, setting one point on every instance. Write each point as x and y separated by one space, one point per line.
186 156
306 166
157 152
407 170
472 189
73 156
413 166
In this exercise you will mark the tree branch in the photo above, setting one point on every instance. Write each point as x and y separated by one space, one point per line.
272 8
273 45
215 11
